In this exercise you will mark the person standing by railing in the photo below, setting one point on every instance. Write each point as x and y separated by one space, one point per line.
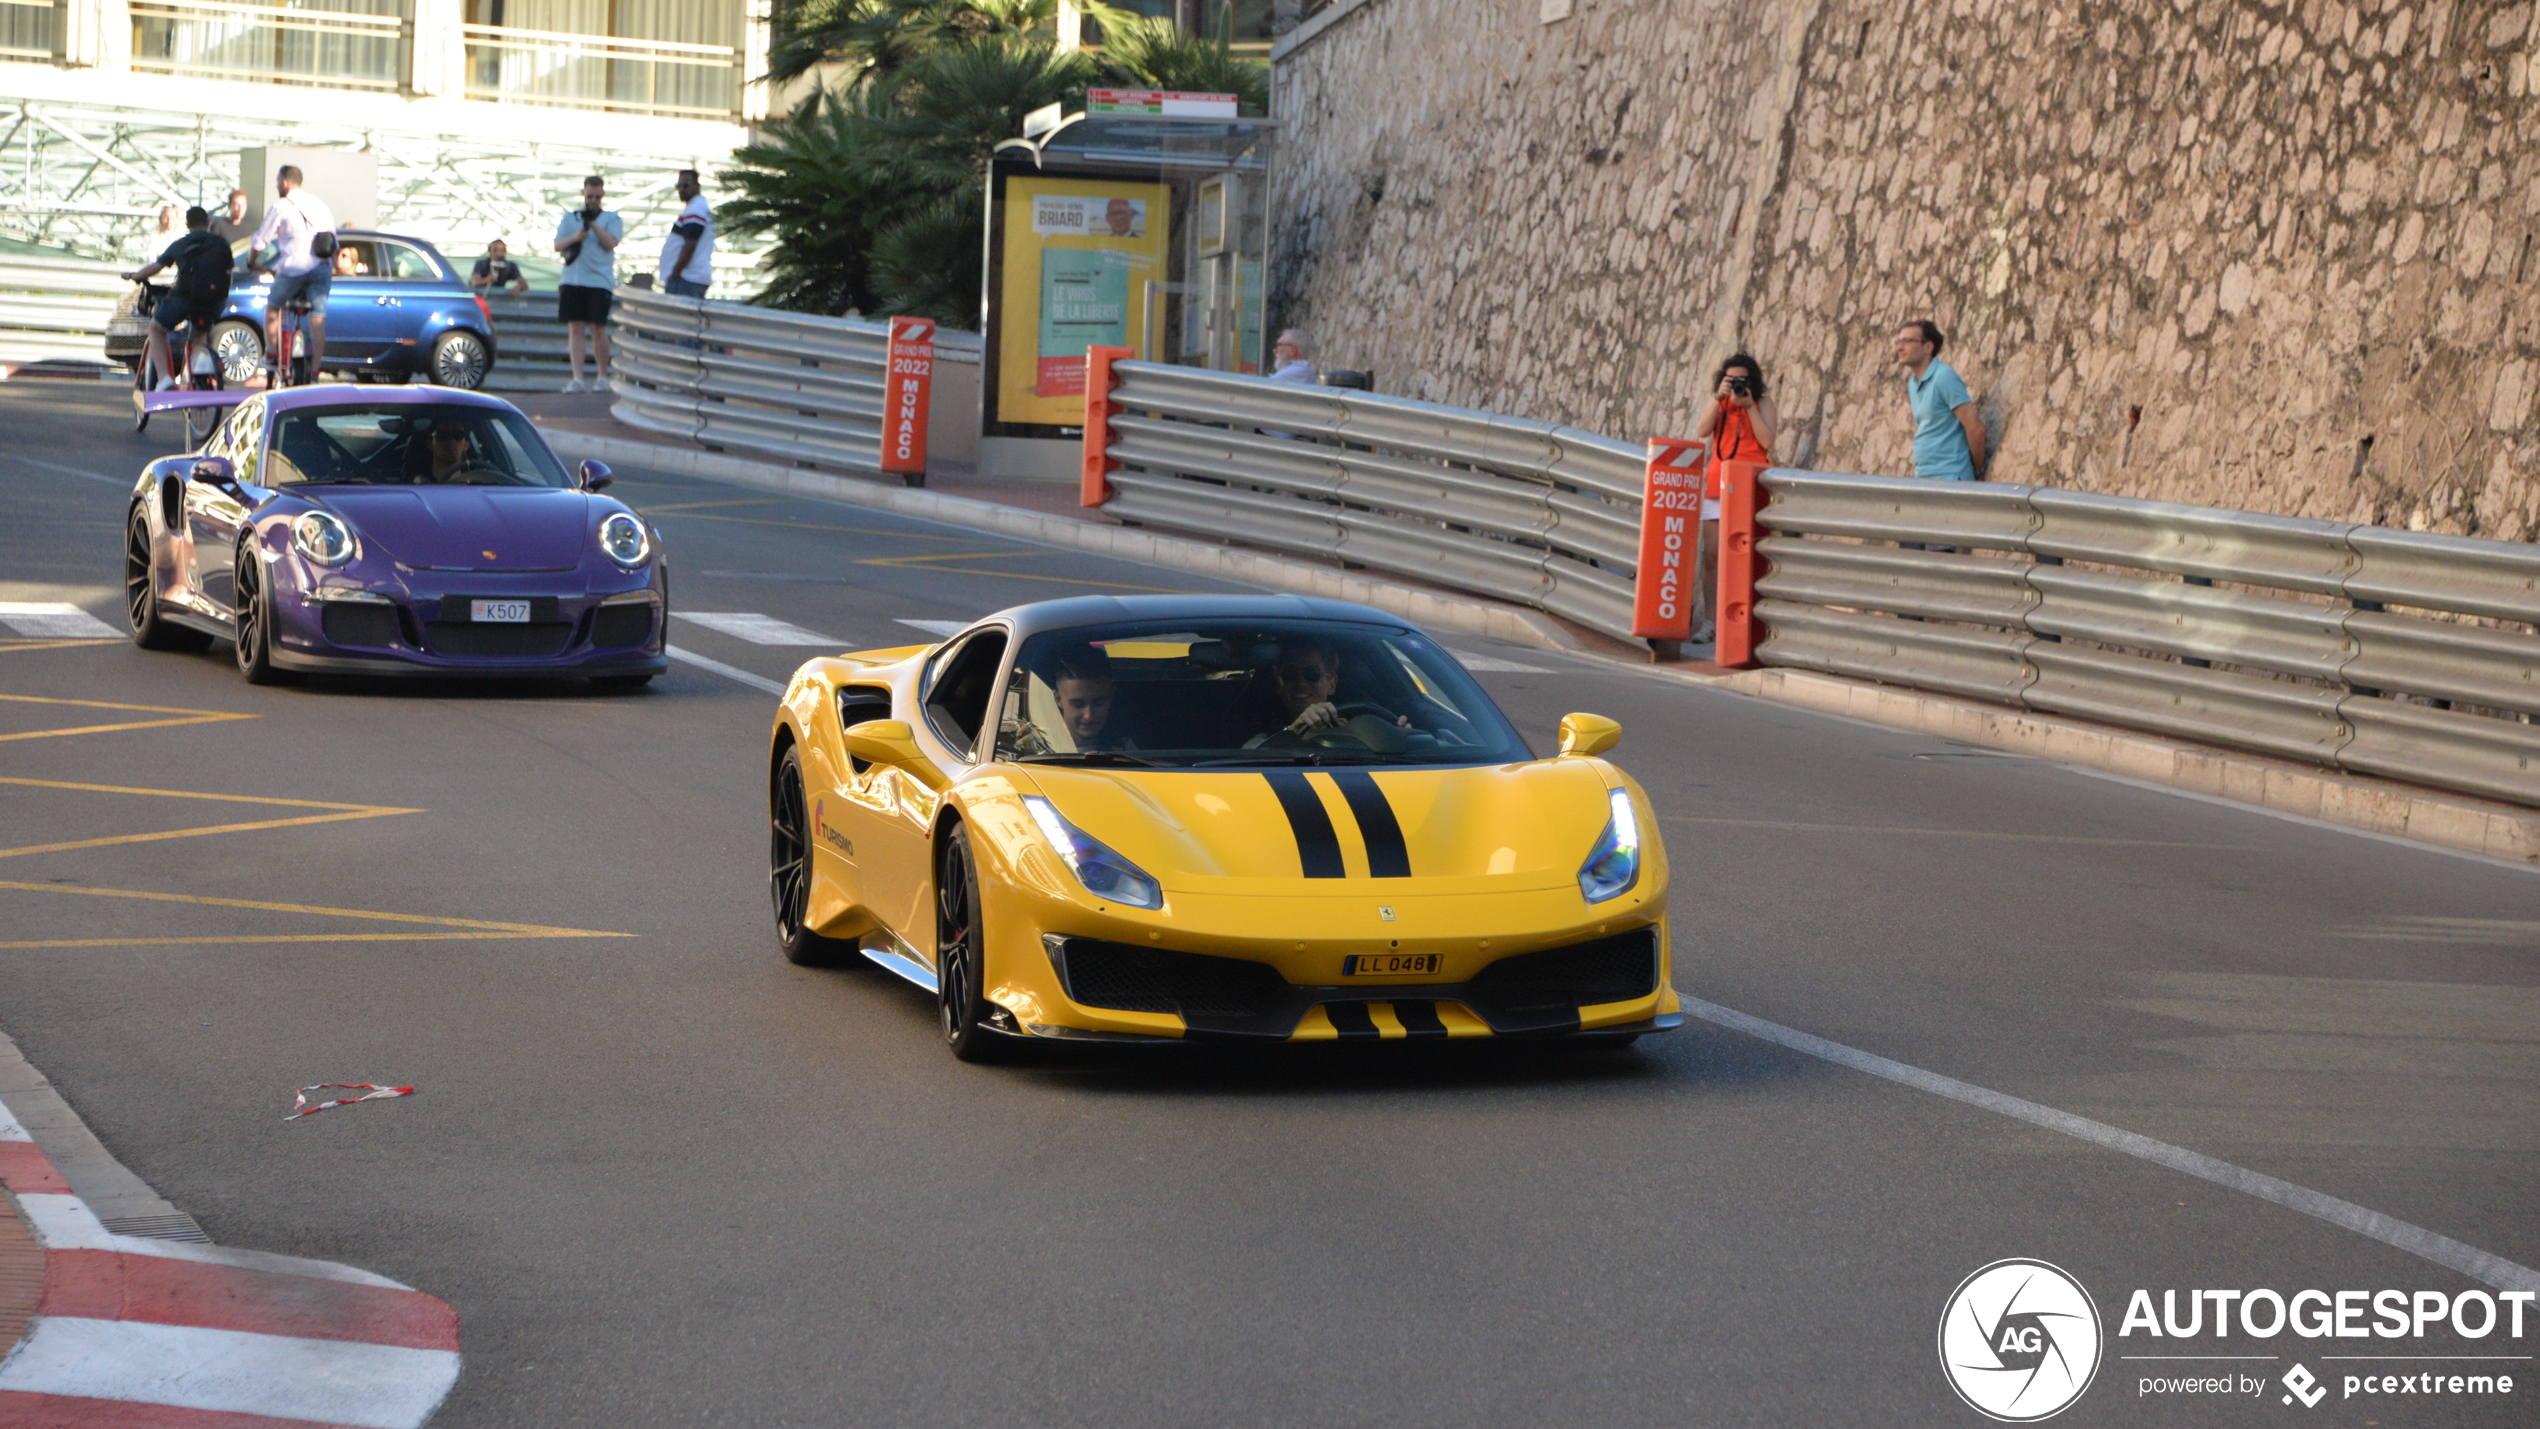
1291 358
587 241
1740 425
230 225
1948 435
687 255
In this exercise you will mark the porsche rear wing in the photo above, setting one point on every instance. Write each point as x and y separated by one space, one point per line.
175 399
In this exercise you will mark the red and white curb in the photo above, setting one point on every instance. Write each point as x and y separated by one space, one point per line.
133 1333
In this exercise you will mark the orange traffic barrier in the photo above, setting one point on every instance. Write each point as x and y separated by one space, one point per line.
907 387
1099 410
1741 496
1670 529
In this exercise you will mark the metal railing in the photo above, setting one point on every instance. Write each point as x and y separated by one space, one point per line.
364 44
2360 648
514 66
729 375
1531 512
57 308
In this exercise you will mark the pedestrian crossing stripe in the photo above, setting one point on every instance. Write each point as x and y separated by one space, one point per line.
54 620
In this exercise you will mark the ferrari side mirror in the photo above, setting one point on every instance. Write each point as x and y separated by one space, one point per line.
1589 734
892 742
595 475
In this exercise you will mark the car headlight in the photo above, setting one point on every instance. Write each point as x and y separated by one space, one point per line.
1105 874
625 539
1613 866
323 538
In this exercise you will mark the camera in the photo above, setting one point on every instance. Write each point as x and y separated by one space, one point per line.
1741 386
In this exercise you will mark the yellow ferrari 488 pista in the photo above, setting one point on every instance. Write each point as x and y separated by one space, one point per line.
1211 817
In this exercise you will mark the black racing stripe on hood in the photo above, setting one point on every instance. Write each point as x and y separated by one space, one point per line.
1318 846
1387 857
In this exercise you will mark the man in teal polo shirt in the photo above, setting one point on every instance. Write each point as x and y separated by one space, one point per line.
1948 436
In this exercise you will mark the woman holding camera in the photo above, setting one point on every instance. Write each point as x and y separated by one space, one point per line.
1740 424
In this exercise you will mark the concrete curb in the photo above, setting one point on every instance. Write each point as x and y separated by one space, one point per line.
2397 810
2497 831
1513 624
123 1201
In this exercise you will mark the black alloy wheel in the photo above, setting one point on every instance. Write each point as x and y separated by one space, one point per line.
255 620
960 955
150 630
789 872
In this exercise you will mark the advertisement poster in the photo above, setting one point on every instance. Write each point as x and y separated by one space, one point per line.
1078 257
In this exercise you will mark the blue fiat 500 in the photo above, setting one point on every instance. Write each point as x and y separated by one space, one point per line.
403 313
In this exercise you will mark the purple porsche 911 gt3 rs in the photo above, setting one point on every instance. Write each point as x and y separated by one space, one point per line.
391 531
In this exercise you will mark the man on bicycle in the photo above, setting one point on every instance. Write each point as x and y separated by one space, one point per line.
201 290
301 226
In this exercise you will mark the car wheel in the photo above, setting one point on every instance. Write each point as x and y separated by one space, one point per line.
150 630
255 624
789 872
961 956
459 359
240 349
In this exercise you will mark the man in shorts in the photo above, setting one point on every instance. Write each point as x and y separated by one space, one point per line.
200 292
293 223
587 242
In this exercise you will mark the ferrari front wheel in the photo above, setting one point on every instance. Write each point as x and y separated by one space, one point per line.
961 954
789 872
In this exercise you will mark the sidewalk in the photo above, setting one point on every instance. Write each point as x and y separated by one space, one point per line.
121 1332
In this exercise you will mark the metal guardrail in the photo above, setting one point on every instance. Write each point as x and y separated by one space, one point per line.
57 308
1534 512
728 375
2268 633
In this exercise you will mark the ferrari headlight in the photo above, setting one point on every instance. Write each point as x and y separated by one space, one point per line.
625 539
1613 866
1105 874
323 538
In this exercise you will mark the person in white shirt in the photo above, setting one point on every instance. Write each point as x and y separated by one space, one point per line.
587 242
293 224
1289 355
687 255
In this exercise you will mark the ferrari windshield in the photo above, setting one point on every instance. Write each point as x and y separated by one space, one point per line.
404 444
1213 694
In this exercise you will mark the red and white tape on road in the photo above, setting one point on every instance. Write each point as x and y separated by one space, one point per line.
170 1335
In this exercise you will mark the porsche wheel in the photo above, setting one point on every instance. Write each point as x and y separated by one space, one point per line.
960 955
150 630
789 872
255 624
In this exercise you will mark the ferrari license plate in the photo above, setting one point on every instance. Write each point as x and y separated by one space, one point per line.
1392 964
498 612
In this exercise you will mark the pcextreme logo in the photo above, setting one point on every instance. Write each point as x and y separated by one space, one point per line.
2019 1340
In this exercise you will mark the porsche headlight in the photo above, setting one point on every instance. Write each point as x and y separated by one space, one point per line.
323 538
1613 866
1105 874
625 539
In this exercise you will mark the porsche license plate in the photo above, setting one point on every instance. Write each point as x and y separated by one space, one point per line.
1392 964
498 612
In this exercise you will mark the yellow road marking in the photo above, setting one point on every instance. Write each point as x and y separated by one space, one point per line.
342 812
191 717
814 526
951 556
8 645
288 938
531 930
1025 576
700 505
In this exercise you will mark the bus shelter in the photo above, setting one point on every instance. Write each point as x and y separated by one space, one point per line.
1139 224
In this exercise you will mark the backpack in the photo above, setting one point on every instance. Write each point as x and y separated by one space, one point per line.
202 273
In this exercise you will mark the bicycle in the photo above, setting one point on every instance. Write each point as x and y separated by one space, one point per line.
291 364
201 373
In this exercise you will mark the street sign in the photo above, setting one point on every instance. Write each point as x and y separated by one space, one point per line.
1670 524
1160 103
906 391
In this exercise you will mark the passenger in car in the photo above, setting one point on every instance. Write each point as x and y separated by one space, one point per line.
1082 687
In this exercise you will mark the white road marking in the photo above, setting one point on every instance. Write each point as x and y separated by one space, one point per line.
755 682
54 620
759 629
2415 1240
940 629
1495 664
231 1371
72 471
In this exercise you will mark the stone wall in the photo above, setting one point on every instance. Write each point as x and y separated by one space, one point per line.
2272 256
